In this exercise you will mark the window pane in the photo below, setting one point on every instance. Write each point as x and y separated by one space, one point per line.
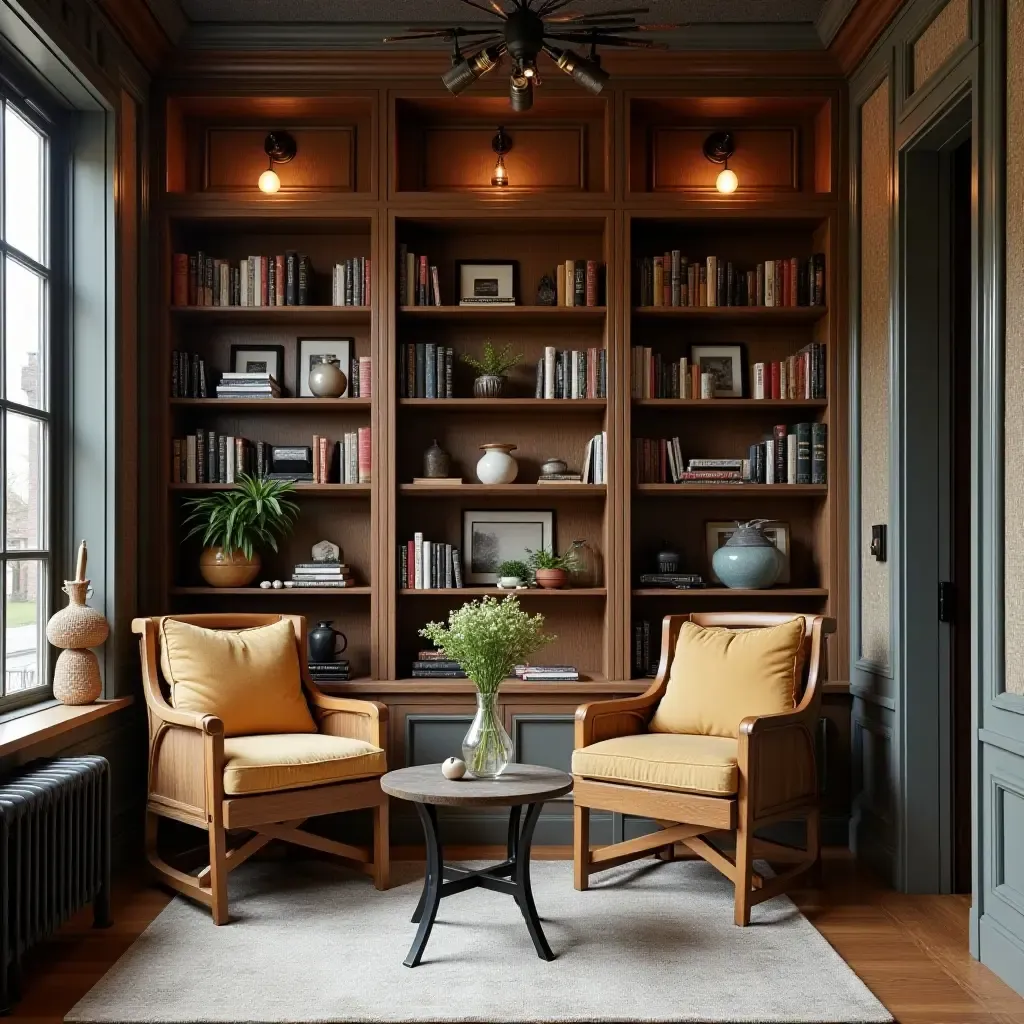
25 335
24 191
26 490
25 606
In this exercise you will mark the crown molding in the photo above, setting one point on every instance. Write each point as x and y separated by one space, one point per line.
137 25
312 36
833 14
171 17
860 31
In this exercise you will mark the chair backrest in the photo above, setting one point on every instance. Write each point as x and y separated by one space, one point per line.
817 626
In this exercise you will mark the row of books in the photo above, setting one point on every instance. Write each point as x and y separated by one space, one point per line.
572 373
646 647
578 283
248 385
350 282
433 664
206 457
322 575
426 371
418 281
188 375
547 673
595 464
676 280
346 461
796 454
329 671
282 280
653 376
428 565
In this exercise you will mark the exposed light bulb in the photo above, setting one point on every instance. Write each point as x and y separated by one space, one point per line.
500 177
269 181
727 181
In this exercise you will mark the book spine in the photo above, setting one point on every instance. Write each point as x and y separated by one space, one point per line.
302 287
591 290
176 460
819 453
365 455
457 568
421 283
179 279
580 283
365 377
435 286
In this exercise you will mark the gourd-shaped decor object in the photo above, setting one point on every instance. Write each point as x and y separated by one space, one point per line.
748 560
497 466
76 628
327 379
436 462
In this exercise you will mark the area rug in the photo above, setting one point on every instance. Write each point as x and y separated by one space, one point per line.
312 942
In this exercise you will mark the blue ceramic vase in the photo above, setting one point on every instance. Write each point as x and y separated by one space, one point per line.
748 560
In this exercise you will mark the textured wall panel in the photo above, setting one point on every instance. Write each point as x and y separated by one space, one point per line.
1014 393
935 44
874 370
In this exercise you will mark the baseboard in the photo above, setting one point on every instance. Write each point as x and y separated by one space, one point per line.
1001 952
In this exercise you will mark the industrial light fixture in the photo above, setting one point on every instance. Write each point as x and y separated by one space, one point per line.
501 144
280 148
530 27
718 147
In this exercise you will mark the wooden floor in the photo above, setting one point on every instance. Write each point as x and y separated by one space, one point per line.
911 951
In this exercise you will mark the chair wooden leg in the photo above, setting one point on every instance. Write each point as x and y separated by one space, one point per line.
218 874
814 846
381 846
580 846
744 873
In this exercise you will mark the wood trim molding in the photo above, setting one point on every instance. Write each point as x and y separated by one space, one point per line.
861 30
140 30
39 726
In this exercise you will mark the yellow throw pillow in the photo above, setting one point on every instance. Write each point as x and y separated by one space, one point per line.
248 678
720 676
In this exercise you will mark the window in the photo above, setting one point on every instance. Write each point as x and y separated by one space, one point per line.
26 297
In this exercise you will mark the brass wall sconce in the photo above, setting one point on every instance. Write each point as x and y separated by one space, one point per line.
501 144
718 147
280 147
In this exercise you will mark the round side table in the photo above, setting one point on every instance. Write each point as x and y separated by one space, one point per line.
520 785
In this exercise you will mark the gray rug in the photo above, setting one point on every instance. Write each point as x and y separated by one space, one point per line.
650 942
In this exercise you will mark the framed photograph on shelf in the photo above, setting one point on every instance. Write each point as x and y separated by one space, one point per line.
486 282
259 359
717 534
493 536
311 351
726 363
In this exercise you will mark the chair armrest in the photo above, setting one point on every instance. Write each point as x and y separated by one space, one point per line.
777 757
622 716
348 716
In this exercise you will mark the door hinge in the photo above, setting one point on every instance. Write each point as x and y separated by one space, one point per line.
945 601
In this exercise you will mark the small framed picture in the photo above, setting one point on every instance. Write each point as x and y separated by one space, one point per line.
319 350
725 362
259 359
486 282
492 536
778 533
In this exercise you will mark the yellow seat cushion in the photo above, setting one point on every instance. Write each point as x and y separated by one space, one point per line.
248 678
269 763
718 677
695 764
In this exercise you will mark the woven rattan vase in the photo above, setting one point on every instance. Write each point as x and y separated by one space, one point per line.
76 677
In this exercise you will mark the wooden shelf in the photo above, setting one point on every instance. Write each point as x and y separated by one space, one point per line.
276 405
734 490
520 314
730 592
731 404
583 491
274 314
259 592
488 406
495 592
744 314
595 685
303 489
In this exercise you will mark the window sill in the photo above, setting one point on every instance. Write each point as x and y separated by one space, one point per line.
28 730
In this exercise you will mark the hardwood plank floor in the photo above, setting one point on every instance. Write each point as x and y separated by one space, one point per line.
911 951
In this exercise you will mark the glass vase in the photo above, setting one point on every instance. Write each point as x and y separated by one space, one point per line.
486 748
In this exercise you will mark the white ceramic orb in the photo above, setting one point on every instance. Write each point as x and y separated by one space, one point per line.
497 465
266 585
453 768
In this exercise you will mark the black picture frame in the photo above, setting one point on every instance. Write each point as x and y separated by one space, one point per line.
277 351
459 264
736 353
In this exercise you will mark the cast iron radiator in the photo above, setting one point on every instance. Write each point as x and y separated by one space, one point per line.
54 855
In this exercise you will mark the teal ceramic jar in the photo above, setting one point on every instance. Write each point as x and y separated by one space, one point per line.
748 560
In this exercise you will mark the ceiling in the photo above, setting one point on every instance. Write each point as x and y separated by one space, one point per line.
361 24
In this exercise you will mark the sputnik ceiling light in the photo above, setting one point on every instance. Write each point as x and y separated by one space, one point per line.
530 28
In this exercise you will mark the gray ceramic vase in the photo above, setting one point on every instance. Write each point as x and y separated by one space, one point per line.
489 385
748 560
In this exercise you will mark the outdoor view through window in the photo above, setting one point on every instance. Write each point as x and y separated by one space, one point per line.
25 406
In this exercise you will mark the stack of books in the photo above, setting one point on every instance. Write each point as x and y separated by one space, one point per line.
547 673
434 665
645 658
427 371
329 671
188 375
321 574
672 580
350 282
578 282
348 461
796 454
429 565
660 461
418 283
801 376
572 373
248 385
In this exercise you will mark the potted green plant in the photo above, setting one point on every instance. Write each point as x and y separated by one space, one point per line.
512 574
551 571
488 638
256 512
491 369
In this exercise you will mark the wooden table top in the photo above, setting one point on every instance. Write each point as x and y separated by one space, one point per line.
518 784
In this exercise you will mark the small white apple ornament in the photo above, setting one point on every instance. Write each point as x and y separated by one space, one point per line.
453 769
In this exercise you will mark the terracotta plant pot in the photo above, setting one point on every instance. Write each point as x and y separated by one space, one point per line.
551 579
228 570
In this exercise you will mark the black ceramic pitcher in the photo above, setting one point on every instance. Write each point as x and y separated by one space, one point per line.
323 641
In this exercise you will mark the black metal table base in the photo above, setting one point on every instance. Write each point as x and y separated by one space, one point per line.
511 876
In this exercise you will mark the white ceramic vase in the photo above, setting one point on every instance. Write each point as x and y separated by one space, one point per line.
497 466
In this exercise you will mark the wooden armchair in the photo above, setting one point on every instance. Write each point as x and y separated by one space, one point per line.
772 765
187 762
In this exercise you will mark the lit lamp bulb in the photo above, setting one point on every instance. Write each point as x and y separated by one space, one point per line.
727 181
501 143
269 181
500 176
